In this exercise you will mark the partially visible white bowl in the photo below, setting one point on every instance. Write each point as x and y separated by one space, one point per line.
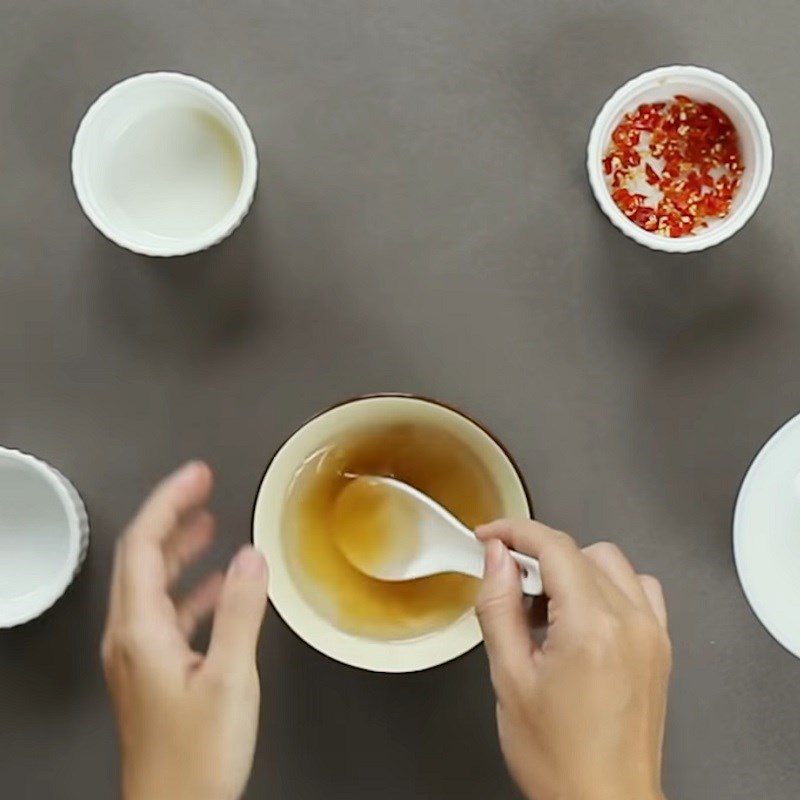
766 535
164 164
706 86
44 535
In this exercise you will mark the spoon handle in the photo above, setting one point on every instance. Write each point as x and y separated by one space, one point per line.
471 559
530 574
472 563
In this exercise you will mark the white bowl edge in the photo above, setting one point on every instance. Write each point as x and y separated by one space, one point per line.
756 604
16 612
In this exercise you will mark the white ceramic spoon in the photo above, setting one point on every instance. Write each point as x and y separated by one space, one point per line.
391 531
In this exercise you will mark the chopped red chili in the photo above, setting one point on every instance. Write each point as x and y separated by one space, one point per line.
672 166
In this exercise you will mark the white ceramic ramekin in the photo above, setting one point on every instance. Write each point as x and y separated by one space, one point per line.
378 655
106 151
44 535
699 84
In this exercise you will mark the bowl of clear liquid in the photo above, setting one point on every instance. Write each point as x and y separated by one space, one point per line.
164 164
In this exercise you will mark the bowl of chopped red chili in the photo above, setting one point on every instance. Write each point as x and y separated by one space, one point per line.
679 158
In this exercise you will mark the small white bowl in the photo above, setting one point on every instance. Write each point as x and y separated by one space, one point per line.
377 655
706 86
44 535
164 164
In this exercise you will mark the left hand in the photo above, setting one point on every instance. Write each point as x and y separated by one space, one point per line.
187 721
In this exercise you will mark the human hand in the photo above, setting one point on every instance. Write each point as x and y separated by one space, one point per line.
187 721
582 716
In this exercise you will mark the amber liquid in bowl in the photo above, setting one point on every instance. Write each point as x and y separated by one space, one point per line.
435 462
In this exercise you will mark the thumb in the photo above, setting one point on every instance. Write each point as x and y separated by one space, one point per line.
502 618
240 612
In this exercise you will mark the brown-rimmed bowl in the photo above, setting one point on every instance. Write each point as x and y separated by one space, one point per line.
377 655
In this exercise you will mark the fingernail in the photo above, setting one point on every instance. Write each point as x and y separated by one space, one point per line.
188 472
249 563
495 556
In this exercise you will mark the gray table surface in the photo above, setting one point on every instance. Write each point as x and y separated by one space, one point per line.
423 223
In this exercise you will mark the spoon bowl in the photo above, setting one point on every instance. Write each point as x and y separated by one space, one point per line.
393 532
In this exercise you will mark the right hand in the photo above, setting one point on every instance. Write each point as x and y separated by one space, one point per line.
582 716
